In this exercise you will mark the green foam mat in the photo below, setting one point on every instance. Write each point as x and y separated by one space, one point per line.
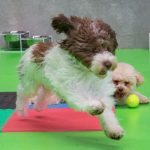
69 141
4 116
8 71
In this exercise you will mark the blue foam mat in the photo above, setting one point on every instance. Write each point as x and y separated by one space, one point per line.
61 105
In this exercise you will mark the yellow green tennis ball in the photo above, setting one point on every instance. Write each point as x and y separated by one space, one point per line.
132 100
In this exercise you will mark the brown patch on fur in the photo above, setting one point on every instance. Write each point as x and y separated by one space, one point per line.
62 24
40 50
86 37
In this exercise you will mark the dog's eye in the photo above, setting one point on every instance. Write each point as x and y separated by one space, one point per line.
116 82
127 83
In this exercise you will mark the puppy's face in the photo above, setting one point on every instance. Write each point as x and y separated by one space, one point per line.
92 42
125 78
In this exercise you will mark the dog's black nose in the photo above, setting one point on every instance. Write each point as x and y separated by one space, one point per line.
107 64
120 89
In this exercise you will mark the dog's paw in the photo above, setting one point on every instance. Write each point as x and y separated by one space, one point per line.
21 112
39 106
95 107
115 133
144 100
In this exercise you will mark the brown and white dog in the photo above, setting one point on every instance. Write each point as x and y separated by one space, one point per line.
126 78
78 70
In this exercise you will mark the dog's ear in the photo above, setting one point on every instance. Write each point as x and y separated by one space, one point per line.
62 24
139 79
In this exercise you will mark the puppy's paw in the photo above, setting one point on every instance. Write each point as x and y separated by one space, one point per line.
115 133
39 106
22 112
95 107
144 100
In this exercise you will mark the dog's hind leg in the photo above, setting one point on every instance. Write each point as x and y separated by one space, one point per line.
41 99
143 99
44 97
22 101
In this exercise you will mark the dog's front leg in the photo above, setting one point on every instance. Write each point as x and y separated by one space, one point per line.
92 107
143 99
111 125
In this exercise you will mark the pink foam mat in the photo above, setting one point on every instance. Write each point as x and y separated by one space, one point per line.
52 120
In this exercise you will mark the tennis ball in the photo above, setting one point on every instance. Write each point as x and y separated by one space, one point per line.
132 100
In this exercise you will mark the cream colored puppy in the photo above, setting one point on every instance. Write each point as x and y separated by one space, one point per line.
125 79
